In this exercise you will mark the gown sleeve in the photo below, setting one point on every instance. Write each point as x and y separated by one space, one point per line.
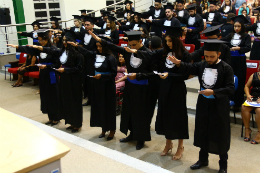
229 84
197 54
26 34
157 22
52 51
85 52
99 31
247 47
78 67
227 55
28 50
112 69
197 30
115 36
218 20
114 47
190 68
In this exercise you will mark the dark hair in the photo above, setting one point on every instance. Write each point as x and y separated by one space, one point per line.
229 5
131 9
118 63
47 37
230 15
105 50
242 32
156 42
146 33
177 47
57 25
139 18
244 10
112 25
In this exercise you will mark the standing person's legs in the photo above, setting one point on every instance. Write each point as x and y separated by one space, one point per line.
223 161
203 159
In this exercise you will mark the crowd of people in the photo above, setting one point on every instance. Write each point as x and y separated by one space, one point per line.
153 67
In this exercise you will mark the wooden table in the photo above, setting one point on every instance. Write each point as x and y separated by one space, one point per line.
26 148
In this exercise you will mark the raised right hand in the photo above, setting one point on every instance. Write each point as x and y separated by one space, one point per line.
72 43
12 45
174 60
95 37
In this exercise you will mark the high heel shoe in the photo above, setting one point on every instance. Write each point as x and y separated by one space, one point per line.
178 157
74 130
102 136
53 124
246 139
70 128
255 142
169 151
49 122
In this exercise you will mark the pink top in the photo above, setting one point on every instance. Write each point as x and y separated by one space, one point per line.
120 72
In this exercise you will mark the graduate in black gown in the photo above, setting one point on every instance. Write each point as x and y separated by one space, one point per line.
88 43
180 12
226 9
255 51
103 23
212 33
48 79
134 116
172 96
69 65
168 21
33 34
240 43
213 17
103 103
77 24
144 28
124 13
157 12
195 25
212 123
134 25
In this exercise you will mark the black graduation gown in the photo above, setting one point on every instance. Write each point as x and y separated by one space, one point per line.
212 123
124 13
70 87
103 102
135 107
224 49
49 92
226 29
217 20
77 30
33 35
163 22
222 11
192 37
172 116
114 34
185 14
100 24
88 64
255 51
238 63
132 26
157 30
146 42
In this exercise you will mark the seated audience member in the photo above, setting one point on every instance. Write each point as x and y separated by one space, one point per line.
205 8
121 69
244 6
28 66
253 96
227 28
238 3
247 17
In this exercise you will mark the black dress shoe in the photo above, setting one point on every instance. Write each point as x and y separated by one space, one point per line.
75 130
49 122
222 171
140 145
199 164
53 124
127 139
87 103
69 128
102 136
110 138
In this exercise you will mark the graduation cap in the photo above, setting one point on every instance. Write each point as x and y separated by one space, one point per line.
42 32
240 19
35 23
90 19
191 7
128 2
105 38
77 17
137 14
144 26
83 11
55 19
133 35
99 18
111 18
70 34
214 2
106 13
214 30
212 44
172 31
180 1
160 1
168 6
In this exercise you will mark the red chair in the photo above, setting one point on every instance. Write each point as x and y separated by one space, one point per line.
201 44
252 67
121 35
237 11
190 47
16 64
35 75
